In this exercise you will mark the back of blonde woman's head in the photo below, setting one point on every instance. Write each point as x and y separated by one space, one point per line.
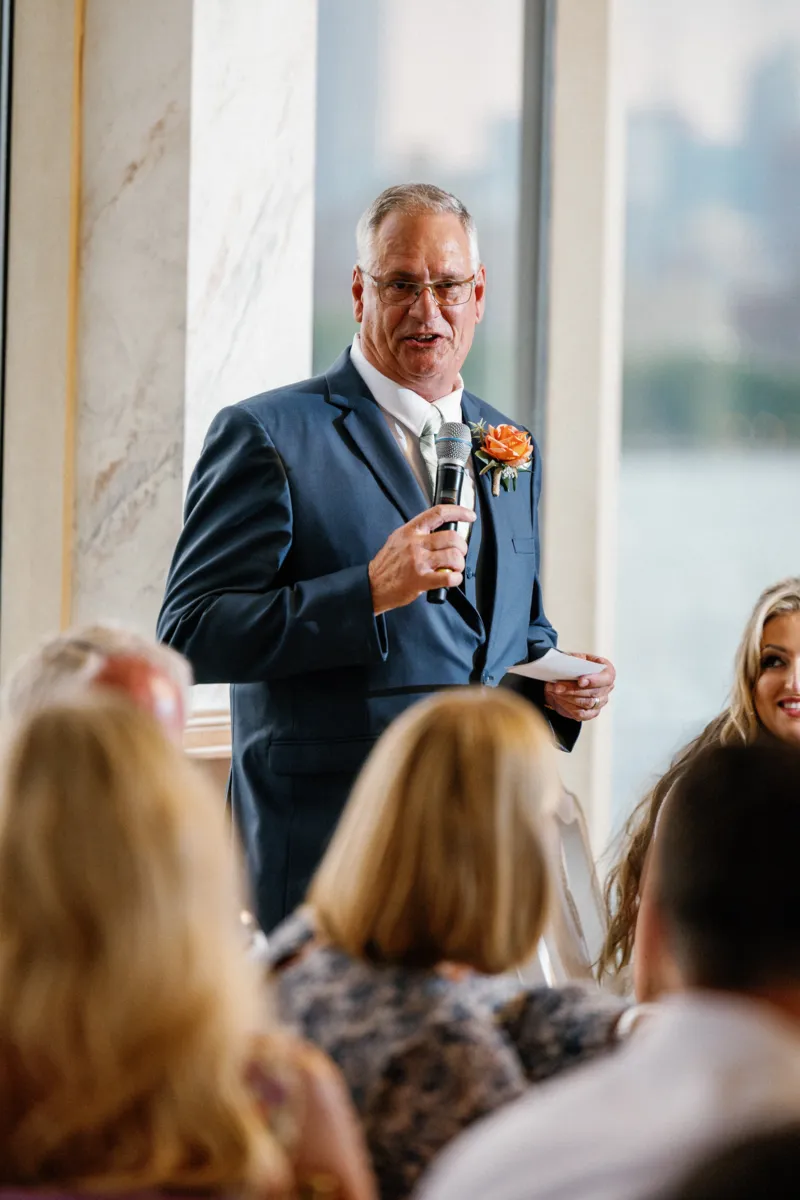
441 854
126 1002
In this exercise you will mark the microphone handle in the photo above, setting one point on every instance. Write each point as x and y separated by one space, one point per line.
449 481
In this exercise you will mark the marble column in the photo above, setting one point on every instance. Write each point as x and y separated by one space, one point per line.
251 216
251 219
137 62
183 283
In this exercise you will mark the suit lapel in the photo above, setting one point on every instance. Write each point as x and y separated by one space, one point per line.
491 542
367 427
366 424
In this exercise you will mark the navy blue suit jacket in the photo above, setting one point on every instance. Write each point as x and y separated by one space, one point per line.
294 492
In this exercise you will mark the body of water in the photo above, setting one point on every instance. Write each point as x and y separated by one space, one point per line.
700 536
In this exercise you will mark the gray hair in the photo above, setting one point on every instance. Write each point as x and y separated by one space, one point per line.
65 666
412 199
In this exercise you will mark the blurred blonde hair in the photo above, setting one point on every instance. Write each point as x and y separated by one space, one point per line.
127 1005
66 664
738 724
440 853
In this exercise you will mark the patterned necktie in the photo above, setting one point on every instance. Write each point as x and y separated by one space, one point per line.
427 444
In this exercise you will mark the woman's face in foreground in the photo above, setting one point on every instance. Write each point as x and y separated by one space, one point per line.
777 690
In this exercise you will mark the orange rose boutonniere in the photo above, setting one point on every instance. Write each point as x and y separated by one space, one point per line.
505 451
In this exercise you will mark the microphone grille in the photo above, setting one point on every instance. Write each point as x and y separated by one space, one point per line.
453 443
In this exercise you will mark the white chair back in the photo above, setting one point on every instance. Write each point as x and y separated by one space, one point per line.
576 928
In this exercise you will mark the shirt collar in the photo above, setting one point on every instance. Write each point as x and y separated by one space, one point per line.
718 1020
403 404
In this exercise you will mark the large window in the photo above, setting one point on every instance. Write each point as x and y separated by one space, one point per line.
710 479
414 91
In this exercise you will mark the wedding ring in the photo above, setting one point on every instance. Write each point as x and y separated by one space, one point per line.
595 701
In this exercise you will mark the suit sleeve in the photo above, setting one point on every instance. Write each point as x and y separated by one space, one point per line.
229 605
541 636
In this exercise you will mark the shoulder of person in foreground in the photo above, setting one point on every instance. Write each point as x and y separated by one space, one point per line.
555 1028
321 1133
574 1135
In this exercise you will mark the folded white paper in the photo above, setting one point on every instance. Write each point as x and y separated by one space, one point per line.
554 667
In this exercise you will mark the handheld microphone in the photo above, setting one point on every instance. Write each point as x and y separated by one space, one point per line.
453 447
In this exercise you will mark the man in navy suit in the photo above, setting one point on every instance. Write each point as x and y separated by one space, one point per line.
309 543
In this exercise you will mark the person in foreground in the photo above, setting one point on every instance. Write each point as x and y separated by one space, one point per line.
69 664
77 661
434 888
765 700
310 542
135 1053
715 1059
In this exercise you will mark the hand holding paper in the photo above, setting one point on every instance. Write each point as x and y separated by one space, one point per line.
575 686
554 666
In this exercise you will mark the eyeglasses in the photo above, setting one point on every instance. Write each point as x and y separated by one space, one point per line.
404 292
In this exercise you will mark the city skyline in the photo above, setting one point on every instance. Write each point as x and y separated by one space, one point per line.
694 56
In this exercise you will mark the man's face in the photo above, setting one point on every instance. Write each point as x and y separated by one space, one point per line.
422 347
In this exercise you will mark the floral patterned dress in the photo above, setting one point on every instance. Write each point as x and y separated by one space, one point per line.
424 1054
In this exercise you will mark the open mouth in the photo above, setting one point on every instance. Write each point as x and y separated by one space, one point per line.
423 339
791 706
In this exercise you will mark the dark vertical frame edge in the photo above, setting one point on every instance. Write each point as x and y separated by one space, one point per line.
534 213
6 64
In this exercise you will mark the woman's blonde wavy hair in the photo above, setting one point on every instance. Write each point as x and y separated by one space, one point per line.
127 1005
737 724
441 851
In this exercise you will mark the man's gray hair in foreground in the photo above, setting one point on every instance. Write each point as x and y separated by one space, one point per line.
412 199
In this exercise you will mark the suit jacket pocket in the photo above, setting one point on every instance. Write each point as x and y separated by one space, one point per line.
524 545
319 757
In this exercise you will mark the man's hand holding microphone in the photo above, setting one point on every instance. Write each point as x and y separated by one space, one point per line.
428 554
416 558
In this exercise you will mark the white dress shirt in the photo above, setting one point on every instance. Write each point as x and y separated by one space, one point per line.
406 413
703 1069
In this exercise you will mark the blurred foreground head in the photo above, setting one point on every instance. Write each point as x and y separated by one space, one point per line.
126 1002
726 887
152 675
440 854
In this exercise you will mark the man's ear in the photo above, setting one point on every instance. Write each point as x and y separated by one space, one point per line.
357 291
480 292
